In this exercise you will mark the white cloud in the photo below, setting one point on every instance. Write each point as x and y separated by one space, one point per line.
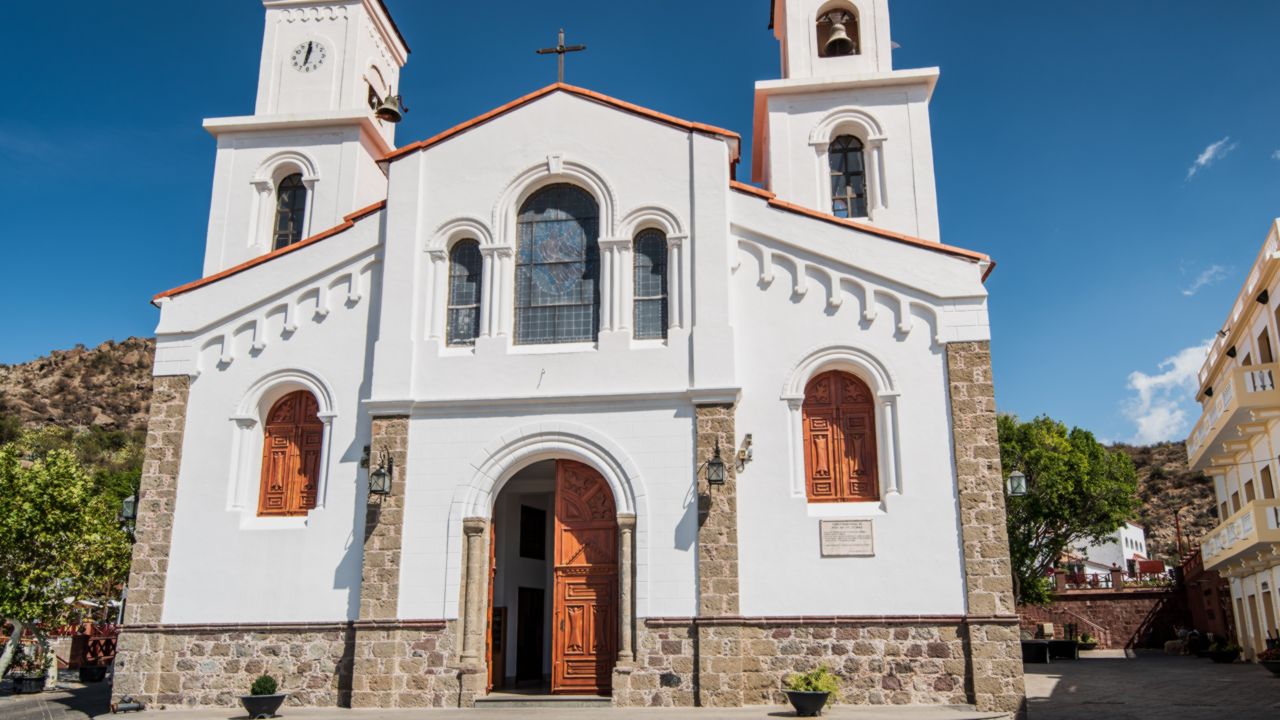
1207 277
1210 155
1159 407
1275 155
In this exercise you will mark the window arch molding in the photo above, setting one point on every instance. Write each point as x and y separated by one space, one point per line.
246 448
266 179
879 378
656 217
865 127
438 248
499 274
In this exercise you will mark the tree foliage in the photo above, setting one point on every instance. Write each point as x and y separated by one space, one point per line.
59 535
1078 493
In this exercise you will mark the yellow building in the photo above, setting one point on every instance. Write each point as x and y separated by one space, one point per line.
1237 443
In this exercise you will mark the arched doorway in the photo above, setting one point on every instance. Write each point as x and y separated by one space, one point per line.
554 582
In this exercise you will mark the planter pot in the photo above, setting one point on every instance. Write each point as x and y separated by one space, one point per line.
807 704
262 706
1224 656
1272 665
1088 646
28 684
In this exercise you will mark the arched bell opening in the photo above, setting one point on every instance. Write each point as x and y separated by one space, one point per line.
557 597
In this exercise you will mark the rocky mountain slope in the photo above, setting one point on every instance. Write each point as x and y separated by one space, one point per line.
107 387
1165 485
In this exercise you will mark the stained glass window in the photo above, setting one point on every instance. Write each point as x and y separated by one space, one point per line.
291 206
558 267
464 292
848 177
650 285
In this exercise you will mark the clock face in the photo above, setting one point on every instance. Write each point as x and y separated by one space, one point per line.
308 56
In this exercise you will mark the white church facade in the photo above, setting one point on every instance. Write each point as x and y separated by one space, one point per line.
552 401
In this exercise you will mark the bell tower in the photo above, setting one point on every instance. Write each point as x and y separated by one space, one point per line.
326 108
843 132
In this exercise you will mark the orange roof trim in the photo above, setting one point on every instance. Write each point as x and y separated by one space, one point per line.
572 90
899 237
347 223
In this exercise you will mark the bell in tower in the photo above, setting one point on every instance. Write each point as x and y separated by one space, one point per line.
833 34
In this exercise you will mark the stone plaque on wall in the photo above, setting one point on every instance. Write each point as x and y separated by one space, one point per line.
847 538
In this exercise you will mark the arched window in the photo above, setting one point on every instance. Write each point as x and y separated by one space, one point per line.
291 207
291 445
650 299
840 439
848 177
464 293
838 34
558 267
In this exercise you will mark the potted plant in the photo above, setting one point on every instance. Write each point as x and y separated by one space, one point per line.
30 671
1270 659
1224 652
1088 642
263 701
810 692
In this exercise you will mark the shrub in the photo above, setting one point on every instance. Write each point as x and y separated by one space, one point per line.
264 685
820 680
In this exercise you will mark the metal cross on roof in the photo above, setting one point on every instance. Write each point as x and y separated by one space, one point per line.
559 50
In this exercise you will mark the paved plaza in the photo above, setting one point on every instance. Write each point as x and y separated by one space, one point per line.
1150 685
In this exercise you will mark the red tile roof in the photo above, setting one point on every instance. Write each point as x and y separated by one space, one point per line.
899 237
572 90
347 223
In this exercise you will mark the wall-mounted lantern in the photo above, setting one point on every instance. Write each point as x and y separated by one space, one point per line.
129 509
745 453
380 475
1016 485
715 468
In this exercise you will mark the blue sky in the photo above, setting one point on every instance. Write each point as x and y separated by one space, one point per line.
1065 136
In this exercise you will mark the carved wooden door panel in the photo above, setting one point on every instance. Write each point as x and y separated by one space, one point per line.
291 449
585 593
840 439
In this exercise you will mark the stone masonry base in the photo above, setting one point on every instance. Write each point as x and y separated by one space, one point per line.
407 664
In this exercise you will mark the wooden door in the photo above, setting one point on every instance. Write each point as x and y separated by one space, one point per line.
291 456
585 591
840 439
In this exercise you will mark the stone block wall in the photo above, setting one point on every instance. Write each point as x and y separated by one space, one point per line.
203 666
1132 618
889 662
995 657
407 665
157 497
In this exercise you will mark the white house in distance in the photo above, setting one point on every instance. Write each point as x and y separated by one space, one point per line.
550 400
1125 548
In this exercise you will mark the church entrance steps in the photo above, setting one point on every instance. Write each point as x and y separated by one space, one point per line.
491 712
497 700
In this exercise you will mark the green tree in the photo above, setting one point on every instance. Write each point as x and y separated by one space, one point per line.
59 538
1078 493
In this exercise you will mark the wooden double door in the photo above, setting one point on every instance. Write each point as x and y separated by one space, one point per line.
584 617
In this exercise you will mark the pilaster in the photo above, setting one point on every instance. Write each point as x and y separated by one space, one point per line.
719 654
994 652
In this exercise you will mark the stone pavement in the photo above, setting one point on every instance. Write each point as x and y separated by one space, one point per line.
1150 685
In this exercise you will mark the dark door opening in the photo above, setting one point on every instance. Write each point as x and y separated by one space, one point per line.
529 642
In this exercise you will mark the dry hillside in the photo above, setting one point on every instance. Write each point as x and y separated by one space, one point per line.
1165 485
108 386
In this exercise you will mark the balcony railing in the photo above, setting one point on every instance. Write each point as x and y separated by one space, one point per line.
1243 388
1256 523
1114 580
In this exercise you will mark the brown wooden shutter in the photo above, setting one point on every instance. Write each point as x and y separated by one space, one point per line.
293 438
840 440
